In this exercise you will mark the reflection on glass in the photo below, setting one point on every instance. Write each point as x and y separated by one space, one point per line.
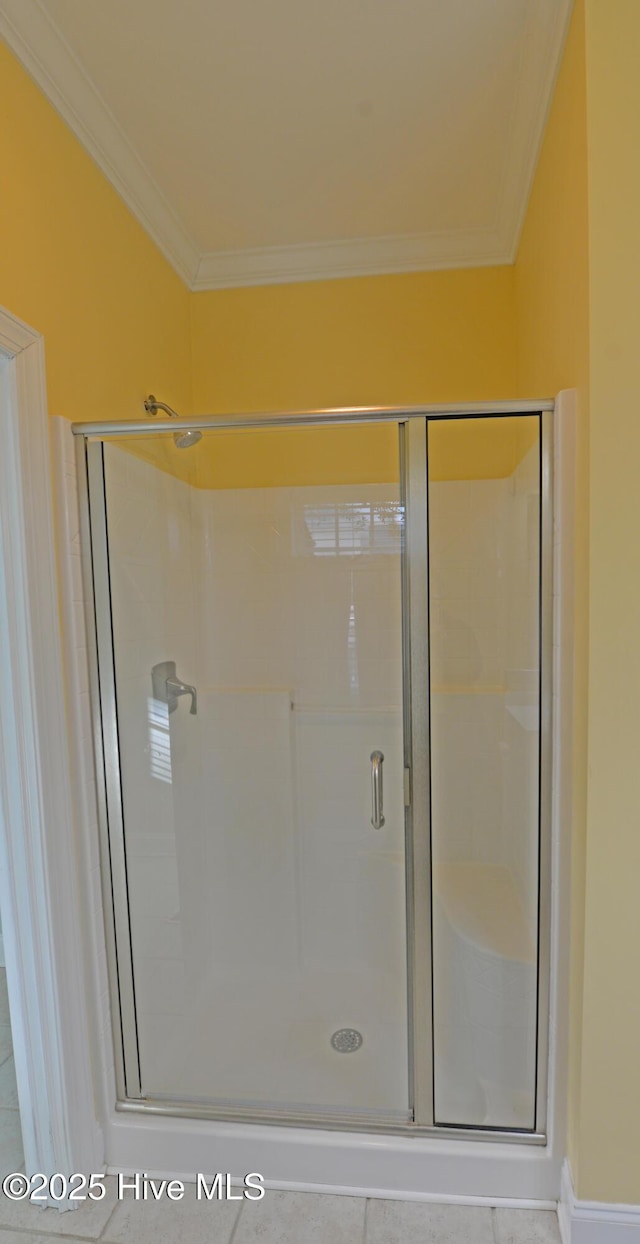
352 528
484 568
159 740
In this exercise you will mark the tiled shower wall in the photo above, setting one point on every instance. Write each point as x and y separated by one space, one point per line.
303 645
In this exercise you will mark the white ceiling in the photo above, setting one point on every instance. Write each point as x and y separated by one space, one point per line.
298 139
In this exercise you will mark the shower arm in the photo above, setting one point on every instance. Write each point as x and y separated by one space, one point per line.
152 406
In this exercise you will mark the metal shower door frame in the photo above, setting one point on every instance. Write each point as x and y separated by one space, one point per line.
412 428
104 711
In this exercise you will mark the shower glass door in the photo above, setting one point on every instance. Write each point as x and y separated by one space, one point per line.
249 617
485 559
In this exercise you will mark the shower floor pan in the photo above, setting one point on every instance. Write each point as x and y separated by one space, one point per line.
268 1045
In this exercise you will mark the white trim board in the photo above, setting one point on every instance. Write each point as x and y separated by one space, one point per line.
595 1222
322 261
82 755
38 882
544 45
39 45
35 39
345 1163
376 1194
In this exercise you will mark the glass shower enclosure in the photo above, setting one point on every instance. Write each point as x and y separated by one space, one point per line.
321 693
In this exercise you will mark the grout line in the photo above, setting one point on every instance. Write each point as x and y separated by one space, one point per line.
366 1217
102 1235
235 1225
35 1235
494 1224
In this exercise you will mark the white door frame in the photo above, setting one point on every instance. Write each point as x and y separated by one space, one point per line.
39 880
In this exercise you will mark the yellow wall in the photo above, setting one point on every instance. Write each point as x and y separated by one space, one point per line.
577 284
552 298
385 340
610 1073
77 266
388 340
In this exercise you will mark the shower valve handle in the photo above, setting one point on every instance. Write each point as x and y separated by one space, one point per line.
377 815
167 688
176 688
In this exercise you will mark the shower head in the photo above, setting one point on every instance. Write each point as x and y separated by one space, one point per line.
182 440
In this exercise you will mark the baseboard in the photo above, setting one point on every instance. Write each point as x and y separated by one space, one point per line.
595 1222
386 1194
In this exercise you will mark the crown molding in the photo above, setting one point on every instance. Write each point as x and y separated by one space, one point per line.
547 25
54 67
325 261
35 39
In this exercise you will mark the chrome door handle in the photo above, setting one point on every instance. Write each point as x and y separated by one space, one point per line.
377 815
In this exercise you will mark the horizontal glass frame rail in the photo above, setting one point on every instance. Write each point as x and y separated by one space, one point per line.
95 560
339 1123
308 418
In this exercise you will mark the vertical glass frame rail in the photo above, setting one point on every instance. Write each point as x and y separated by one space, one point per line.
95 559
546 767
412 428
417 744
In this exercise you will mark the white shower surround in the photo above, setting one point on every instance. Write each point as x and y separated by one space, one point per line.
380 1165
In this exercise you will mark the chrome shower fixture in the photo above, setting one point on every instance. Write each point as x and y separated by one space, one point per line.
152 407
167 687
182 440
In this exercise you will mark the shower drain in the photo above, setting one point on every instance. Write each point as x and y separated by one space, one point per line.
346 1040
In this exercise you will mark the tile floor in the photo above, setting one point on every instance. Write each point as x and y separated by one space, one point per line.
280 1218
10 1134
